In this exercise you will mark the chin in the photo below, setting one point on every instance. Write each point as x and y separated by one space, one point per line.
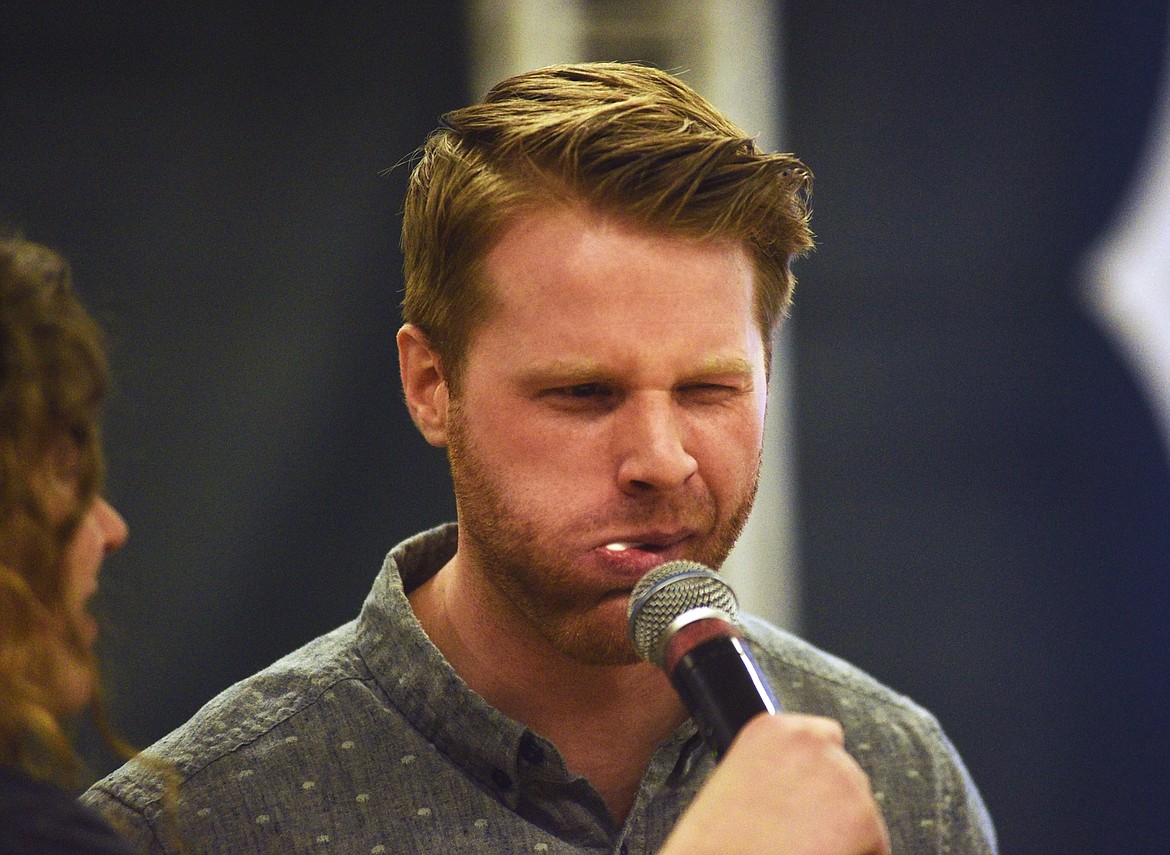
74 681
596 640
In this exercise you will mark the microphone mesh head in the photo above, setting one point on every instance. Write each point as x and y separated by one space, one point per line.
665 593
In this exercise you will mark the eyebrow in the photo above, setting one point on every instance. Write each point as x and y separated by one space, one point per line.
563 372
714 366
566 372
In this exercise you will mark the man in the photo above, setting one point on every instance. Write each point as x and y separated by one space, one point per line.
595 263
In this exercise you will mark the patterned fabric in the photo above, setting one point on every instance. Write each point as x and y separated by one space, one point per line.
366 741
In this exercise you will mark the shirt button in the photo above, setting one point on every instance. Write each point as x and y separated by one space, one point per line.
501 779
530 749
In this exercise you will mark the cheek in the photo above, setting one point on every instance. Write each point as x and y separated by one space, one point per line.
729 451
82 561
528 444
561 473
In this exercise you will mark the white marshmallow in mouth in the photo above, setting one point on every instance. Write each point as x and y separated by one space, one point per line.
619 547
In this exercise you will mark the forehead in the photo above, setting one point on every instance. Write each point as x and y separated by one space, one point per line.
574 279
574 251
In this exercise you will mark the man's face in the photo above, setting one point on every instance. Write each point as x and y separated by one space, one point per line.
610 419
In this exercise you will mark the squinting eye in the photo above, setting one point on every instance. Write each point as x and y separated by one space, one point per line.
582 397
586 390
709 391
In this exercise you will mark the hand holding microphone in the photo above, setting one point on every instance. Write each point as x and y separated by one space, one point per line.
784 782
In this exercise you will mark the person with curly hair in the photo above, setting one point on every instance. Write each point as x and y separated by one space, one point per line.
55 531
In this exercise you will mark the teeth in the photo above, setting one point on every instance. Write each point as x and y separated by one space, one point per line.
618 547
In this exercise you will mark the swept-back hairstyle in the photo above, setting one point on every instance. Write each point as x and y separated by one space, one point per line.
627 140
53 378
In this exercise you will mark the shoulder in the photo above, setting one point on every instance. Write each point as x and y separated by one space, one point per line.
264 759
37 817
807 679
916 773
239 727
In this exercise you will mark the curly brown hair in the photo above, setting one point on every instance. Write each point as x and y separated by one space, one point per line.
53 379
629 141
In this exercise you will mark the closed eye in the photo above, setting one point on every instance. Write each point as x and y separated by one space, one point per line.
583 396
709 393
587 390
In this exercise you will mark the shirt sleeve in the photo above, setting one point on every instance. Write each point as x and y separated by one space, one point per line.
963 821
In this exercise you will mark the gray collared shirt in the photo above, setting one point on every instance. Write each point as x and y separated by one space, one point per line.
366 741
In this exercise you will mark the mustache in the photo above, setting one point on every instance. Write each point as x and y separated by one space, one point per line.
660 511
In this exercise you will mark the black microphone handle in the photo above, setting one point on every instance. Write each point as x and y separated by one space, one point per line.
721 685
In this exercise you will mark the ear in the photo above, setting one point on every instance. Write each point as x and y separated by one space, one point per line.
423 384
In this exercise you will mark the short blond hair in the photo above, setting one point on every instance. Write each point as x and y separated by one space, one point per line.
627 140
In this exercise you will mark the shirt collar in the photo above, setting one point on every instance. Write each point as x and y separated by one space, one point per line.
416 678
500 753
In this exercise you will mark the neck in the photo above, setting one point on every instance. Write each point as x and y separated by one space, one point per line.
606 720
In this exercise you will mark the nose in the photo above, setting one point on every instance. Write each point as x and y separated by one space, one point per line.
114 528
652 446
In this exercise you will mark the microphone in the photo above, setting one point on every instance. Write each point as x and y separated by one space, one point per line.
682 618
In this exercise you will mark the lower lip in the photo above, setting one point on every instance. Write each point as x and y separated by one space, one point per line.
632 562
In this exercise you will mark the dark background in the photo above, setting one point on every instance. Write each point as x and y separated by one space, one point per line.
984 500
984 496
